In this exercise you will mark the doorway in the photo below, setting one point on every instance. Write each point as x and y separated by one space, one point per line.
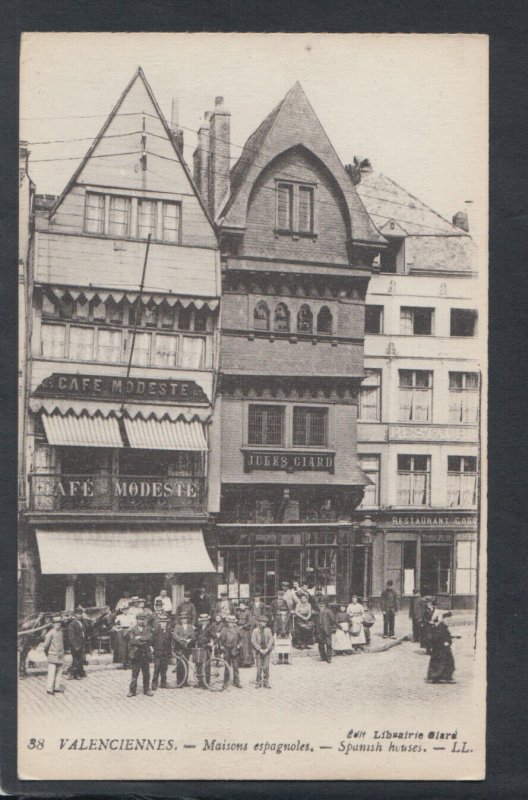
436 561
360 572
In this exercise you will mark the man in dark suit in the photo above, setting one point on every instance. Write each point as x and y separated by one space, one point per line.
203 602
230 642
325 626
389 608
162 646
416 614
187 608
77 645
140 637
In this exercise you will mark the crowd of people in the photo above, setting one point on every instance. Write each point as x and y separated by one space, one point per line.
146 631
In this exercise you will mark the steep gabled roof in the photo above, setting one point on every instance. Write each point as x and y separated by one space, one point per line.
293 123
155 113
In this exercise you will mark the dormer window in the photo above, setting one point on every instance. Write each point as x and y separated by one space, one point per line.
295 212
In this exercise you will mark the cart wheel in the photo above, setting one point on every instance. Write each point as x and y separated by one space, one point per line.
217 674
177 672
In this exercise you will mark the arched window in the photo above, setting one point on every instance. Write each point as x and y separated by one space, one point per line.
304 320
261 317
324 320
282 318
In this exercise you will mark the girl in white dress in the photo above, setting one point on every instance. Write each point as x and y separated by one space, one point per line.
355 616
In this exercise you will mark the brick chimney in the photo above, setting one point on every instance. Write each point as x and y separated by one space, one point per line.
219 155
176 131
460 220
201 160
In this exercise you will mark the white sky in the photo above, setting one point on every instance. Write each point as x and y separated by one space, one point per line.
416 105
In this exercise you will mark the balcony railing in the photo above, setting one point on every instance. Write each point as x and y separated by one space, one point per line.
155 493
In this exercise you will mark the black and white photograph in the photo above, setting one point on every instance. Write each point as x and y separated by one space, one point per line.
252 287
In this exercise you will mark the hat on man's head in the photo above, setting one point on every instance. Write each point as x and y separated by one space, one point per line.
223 594
263 619
141 616
183 615
134 599
231 618
242 604
161 617
203 617
141 600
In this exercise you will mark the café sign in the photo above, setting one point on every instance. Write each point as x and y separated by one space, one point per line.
126 487
289 461
432 433
433 521
109 387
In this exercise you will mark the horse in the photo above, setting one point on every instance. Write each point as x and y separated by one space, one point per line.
95 621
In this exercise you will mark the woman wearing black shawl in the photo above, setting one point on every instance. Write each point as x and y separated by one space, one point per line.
442 663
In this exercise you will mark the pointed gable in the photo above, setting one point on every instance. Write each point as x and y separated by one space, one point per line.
293 124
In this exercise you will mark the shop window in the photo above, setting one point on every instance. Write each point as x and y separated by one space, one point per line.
409 567
171 222
414 480
82 309
463 397
141 354
261 317
370 396
310 427
282 318
185 318
81 343
94 213
304 320
166 350
463 322
119 216
370 464
167 315
200 320
324 321
266 425
320 569
109 345
461 481
415 393
373 319
466 568
233 573
52 340
264 511
416 321
50 308
193 351
147 219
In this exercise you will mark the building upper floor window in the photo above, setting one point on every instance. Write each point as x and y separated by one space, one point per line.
295 208
310 427
282 318
463 322
373 319
304 320
266 425
416 321
463 397
370 396
414 480
123 217
370 464
324 320
416 393
461 481
390 258
261 317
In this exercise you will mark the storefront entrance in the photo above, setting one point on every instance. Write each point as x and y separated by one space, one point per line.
436 569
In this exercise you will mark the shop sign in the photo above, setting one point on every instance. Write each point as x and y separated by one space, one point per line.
124 487
109 387
431 433
433 520
289 462
437 538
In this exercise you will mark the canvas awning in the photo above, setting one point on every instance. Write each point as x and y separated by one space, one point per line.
82 431
82 552
153 434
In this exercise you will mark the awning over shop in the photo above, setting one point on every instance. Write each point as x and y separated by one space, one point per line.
79 552
153 434
82 431
147 297
53 405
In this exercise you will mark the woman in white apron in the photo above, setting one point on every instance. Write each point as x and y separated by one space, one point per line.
355 621
341 638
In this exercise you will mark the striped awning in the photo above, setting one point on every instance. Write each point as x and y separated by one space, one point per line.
82 552
63 406
153 434
83 431
147 297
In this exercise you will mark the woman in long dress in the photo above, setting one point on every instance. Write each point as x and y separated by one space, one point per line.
355 613
442 663
303 623
341 642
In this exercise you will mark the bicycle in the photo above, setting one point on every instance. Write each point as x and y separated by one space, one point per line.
210 671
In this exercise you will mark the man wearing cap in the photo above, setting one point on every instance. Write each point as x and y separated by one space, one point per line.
162 646
256 609
159 613
187 608
140 640
54 649
183 637
77 644
389 608
230 641
166 602
325 626
224 606
262 641
204 645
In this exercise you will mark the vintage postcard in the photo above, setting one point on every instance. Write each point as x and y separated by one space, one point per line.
252 402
